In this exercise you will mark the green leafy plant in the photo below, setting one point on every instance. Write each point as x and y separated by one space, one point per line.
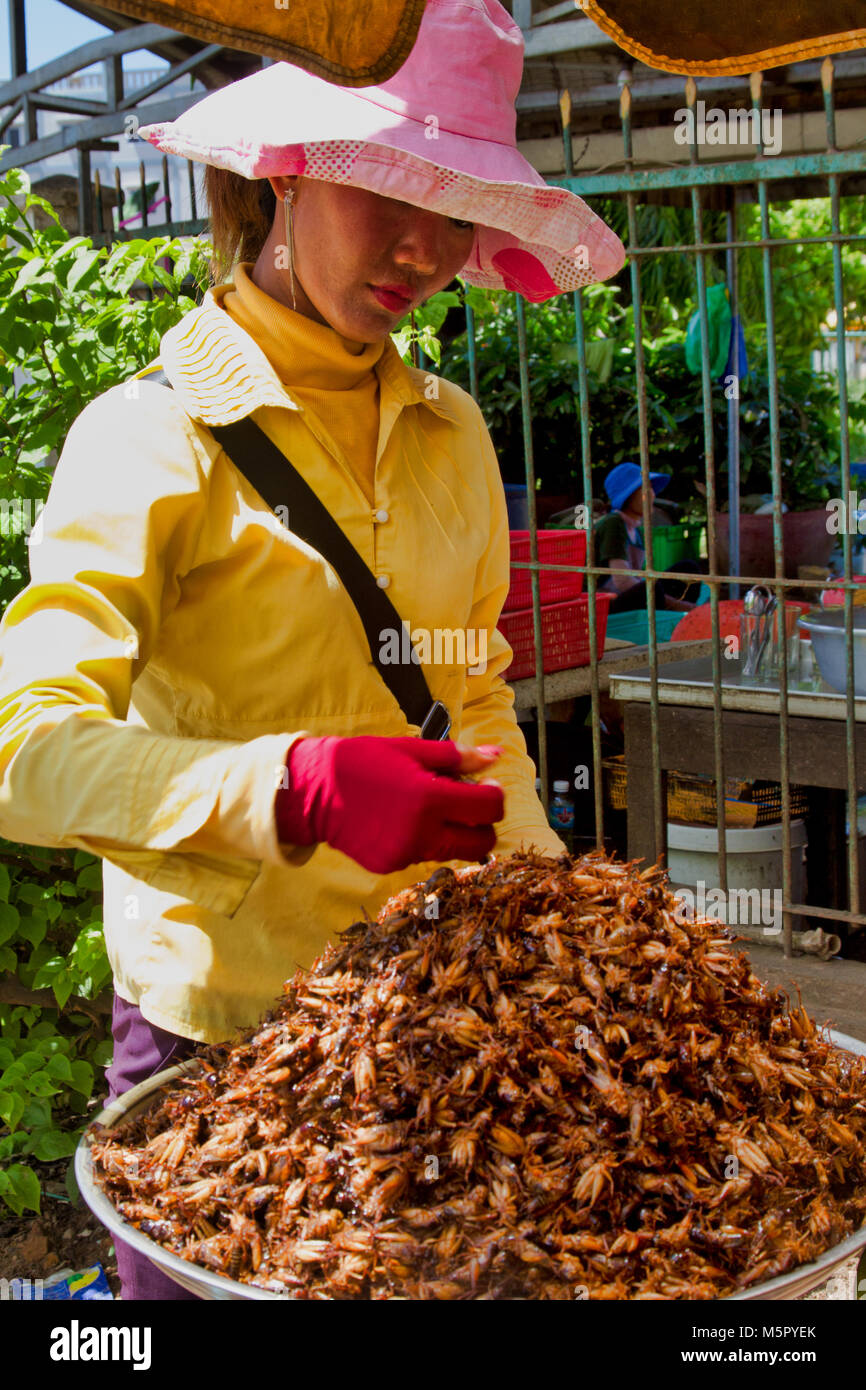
808 403
53 1008
70 327
802 275
429 318
552 362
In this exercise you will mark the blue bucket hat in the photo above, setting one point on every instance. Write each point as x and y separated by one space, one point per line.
625 479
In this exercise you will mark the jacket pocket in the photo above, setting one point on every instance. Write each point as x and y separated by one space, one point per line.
219 885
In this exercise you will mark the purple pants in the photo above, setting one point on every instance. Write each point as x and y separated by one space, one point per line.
140 1051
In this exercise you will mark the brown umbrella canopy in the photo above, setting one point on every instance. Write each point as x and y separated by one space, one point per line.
738 36
352 43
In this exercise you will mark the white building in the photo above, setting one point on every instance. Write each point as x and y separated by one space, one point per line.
90 85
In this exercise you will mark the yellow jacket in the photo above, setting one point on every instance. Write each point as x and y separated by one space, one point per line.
176 638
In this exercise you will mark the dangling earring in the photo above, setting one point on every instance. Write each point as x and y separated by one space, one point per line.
289 210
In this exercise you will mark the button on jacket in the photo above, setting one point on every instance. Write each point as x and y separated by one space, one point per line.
176 638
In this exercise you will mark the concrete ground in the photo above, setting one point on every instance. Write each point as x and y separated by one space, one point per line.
833 991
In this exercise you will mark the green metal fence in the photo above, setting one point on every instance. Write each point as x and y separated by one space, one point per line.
765 173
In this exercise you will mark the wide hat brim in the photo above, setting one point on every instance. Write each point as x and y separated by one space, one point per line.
738 37
620 490
531 237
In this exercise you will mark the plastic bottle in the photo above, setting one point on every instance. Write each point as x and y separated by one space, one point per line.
562 814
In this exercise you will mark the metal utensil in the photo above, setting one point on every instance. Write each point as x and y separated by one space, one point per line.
756 603
764 632
757 599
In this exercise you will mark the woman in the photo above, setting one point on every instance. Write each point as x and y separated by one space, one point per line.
619 544
185 687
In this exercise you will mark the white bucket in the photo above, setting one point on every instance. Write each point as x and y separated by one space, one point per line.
754 865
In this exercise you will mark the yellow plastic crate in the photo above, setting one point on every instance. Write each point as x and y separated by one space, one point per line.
692 800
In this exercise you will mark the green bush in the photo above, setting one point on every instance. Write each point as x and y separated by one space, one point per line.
808 404
69 330
50 1053
71 327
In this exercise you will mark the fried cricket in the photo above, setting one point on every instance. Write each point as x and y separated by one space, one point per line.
533 1079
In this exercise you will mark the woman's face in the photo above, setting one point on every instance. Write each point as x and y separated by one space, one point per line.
351 248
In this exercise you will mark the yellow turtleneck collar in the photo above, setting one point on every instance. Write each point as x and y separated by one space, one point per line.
305 355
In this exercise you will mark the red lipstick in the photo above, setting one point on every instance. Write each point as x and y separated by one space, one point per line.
395 298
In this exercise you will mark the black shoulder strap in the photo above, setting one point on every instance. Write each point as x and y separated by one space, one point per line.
279 483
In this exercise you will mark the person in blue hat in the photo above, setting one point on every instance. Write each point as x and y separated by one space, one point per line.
619 543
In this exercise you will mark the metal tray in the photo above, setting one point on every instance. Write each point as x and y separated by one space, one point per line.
205 1284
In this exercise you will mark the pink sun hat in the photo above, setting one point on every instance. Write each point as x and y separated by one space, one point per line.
440 134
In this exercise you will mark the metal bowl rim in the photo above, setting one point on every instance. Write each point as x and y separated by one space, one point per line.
835 622
126 1104
123 1108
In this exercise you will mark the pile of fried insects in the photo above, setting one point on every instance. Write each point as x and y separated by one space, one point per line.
535 1078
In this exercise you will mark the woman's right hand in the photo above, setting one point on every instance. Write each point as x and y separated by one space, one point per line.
389 802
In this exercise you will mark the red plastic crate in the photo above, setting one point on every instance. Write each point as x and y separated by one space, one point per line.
554 548
564 635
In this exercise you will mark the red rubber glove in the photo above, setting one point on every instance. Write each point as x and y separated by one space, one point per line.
385 803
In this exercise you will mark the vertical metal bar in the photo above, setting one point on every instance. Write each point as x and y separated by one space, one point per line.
471 353
148 292
30 112
85 195
120 196
659 809
827 70
142 179
733 409
591 577
710 479
565 118
17 37
190 169
755 83
586 468
166 188
625 122
97 200
113 70
529 456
